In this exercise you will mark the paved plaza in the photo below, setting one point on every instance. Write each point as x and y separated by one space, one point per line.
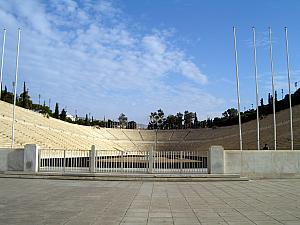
41 201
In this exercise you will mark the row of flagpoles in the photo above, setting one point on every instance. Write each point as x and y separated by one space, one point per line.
15 82
256 87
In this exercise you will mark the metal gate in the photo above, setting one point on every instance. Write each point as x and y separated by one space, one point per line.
114 161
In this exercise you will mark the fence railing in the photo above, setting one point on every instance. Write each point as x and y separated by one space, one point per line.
64 160
180 162
114 161
119 161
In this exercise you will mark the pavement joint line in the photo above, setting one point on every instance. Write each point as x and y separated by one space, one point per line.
189 205
131 202
170 207
235 208
149 207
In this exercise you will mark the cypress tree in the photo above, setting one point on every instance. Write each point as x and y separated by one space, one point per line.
63 114
56 112
24 96
196 121
86 121
262 106
3 96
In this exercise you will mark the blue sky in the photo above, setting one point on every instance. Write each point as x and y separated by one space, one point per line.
108 57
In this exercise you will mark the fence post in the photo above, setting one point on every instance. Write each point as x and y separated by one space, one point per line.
93 159
181 161
151 160
31 158
64 169
122 161
39 160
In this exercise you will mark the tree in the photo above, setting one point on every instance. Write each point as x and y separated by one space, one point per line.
122 120
179 119
230 113
209 122
86 121
5 91
262 102
157 120
109 123
63 114
261 106
45 110
132 125
7 96
24 100
56 111
196 123
171 122
188 119
24 96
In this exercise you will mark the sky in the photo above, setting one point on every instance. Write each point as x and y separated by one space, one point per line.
109 57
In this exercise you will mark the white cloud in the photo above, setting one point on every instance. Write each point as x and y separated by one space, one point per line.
83 53
280 82
154 45
261 40
190 70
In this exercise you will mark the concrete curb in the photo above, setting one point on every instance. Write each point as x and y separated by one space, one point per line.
127 177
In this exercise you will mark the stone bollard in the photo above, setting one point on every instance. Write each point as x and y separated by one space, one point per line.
216 160
93 159
31 158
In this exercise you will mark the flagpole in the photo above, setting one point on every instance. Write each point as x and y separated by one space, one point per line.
238 88
2 60
289 83
256 86
15 89
273 87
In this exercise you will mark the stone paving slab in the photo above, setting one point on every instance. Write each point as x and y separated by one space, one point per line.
70 202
